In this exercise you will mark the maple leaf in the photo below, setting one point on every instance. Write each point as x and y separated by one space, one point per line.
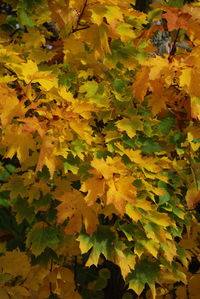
145 272
35 278
124 258
188 80
29 73
130 126
101 242
67 284
192 196
176 18
42 236
46 156
22 143
141 84
66 17
12 263
10 106
74 207
82 128
120 191
95 187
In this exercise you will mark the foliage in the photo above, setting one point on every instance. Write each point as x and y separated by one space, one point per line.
100 144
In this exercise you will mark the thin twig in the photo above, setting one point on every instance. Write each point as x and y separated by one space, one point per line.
78 29
81 13
50 284
6 68
174 45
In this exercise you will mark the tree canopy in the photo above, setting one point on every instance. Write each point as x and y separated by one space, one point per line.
100 144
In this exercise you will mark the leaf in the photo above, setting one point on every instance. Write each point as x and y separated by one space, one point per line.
192 196
3 294
159 218
25 19
10 106
40 237
176 19
141 84
132 212
15 263
145 272
155 232
166 124
124 258
120 191
73 206
34 278
130 126
95 188
175 3
23 210
102 243
90 88
23 142
46 156
149 146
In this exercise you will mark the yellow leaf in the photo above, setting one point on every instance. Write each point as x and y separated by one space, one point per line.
82 128
130 126
137 286
4 294
33 39
169 249
153 289
9 105
109 167
195 107
15 263
148 163
34 278
159 218
22 142
95 187
73 206
120 191
132 212
46 156
125 260
29 73
151 246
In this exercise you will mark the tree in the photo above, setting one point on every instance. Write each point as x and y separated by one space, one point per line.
99 147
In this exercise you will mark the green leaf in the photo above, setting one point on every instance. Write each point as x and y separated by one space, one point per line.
176 3
101 241
104 275
166 125
130 126
24 18
40 237
90 88
145 272
118 84
4 277
149 146
23 210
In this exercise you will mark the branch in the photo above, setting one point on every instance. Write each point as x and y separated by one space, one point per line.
6 68
172 52
81 13
78 29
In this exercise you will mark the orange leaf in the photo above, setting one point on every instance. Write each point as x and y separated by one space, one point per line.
141 84
176 18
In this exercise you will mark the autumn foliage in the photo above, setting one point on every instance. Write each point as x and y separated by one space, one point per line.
100 144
